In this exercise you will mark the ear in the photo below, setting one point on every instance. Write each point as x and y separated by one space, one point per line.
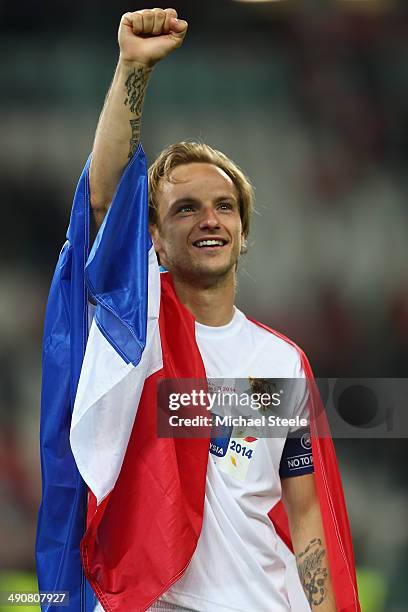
244 245
155 234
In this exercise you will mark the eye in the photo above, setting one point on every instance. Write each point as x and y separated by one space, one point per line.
225 206
186 208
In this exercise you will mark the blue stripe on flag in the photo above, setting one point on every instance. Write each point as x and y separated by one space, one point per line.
62 512
118 264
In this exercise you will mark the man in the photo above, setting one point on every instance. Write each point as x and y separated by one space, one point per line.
221 552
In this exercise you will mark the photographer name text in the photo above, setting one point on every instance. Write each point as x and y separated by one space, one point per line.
236 421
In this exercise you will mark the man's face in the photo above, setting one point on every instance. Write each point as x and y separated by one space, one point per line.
199 232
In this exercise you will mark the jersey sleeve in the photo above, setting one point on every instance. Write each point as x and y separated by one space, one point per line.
297 457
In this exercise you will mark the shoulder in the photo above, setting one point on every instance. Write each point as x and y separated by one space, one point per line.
285 349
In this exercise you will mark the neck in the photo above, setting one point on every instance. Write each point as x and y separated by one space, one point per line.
209 305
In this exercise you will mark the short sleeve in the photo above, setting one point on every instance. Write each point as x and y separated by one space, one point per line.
297 457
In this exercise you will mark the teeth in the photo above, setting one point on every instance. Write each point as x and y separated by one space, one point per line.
202 243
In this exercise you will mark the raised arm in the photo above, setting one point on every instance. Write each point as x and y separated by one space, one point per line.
145 37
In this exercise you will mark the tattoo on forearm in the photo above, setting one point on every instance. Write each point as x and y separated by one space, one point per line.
312 572
135 138
136 84
135 89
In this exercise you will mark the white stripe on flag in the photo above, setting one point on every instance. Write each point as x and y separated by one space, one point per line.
107 398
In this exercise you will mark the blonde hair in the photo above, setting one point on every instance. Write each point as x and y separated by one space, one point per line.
193 152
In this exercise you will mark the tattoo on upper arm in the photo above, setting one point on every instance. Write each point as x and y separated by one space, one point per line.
312 571
136 84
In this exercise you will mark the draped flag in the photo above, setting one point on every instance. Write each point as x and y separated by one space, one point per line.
331 498
62 515
145 494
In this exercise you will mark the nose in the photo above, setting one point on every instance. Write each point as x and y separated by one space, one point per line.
209 219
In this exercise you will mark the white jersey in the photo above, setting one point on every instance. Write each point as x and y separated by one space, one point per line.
240 563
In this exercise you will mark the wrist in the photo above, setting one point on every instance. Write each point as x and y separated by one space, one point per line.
128 64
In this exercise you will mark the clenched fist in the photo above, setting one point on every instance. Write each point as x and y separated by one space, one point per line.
149 35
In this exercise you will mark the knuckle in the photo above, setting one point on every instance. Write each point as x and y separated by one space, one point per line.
159 17
148 19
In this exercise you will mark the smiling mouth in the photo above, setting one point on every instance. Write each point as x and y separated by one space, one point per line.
209 243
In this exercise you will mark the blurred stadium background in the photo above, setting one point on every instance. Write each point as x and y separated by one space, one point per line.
311 99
